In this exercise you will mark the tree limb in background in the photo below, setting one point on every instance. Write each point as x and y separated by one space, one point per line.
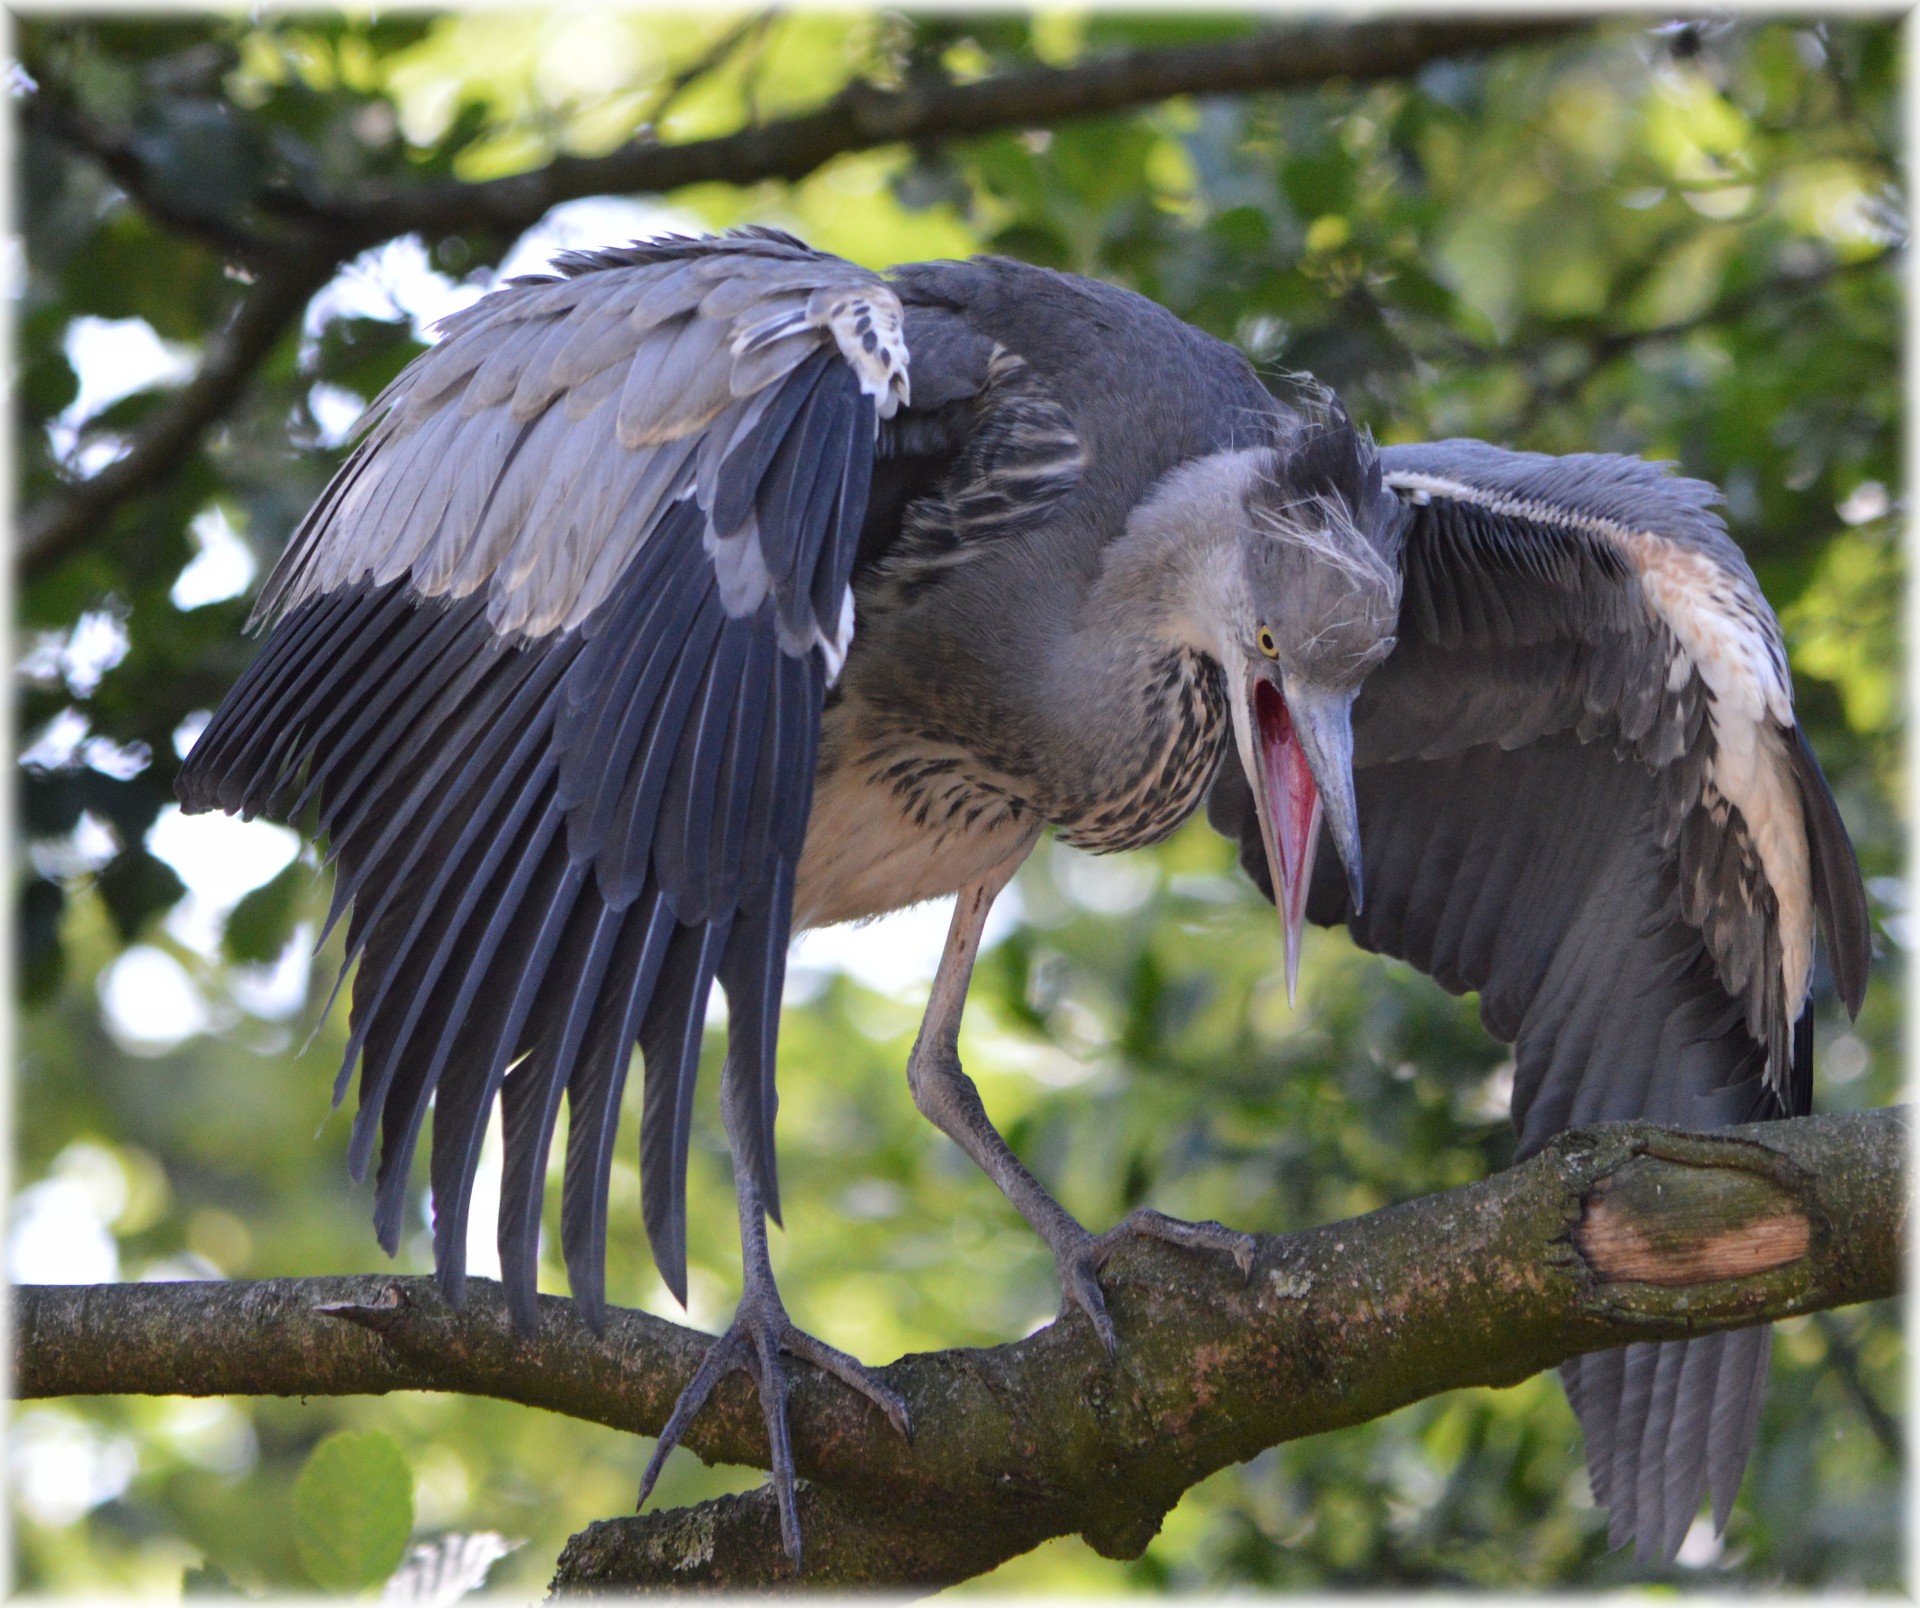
1611 1234
861 117
749 33
326 231
50 110
57 526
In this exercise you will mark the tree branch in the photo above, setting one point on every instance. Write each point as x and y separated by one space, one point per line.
59 525
1611 1234
862 117
52 111
326 231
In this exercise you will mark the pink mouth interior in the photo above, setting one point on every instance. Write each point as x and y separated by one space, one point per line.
1291 794
1293 816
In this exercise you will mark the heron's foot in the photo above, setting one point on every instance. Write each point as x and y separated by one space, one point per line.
1080 1263
761 1330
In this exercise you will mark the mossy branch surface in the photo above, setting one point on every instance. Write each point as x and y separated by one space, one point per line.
1610 1234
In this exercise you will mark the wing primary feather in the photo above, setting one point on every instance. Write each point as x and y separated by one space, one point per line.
753 972
444 663
815 526
641 768
530 1099
621 701
1629 1411
482 1032
781 505
266 682
683 837
519 714
497 812
740 474
1736 1417
442 694
855 488
792 793
739 772
1594 1385
670 1038
1683 1457
775 755
1839 895
401 1084
593 1100
1653 1519
596 739
617 639
1799 1092
252 735
387 806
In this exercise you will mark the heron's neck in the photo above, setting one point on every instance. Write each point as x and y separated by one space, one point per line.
1130 711
1168 581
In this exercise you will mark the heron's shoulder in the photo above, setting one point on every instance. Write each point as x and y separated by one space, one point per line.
1642 520
1080 332
1606 494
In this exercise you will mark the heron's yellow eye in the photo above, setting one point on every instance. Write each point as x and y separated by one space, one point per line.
1268 646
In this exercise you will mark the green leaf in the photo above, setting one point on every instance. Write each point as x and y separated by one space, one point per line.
353 1510
209 1580
260 924
136 887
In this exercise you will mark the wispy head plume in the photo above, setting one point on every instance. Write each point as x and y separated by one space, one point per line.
1324 493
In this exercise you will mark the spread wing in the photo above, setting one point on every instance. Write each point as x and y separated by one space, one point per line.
549 657
1582 794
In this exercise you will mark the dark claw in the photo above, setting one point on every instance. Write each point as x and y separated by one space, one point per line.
1079 1272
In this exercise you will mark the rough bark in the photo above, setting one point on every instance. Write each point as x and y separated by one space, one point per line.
301 239
1611 1234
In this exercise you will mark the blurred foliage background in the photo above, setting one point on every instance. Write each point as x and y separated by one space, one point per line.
1679 241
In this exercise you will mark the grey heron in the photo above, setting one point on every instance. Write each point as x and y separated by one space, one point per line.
706 590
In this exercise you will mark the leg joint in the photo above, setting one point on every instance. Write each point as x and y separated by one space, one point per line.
941 1090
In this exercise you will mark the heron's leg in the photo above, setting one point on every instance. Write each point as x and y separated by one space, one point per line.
949 1100
760 1331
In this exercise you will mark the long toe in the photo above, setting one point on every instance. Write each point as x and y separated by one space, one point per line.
759 1333
1080 1263
1209 1236
764 1332
724 1355
852 1373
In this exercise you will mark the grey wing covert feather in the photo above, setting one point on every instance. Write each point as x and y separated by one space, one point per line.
548 657
1582 794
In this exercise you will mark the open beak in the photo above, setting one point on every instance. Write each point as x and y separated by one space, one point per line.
1297 746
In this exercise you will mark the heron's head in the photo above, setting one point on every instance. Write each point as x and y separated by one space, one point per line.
1313 613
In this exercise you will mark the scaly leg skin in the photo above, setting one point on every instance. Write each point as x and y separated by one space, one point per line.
948 1099
760 1331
